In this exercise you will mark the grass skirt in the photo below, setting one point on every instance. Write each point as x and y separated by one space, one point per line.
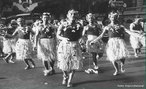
135 42
116 49
9 45
46 49
69 55
142 40
98 47
23 49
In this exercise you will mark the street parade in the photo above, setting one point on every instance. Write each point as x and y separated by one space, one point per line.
75 43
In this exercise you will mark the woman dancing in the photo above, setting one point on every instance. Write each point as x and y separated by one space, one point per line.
9 42
69 50
93 30
136 43
116 48
46 44
24 46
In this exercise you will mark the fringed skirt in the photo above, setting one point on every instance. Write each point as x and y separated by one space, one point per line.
97 47
116 49
9 45
46 49
135 42
24 49
69 55
143 40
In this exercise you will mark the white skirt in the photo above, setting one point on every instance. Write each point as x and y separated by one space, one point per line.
116 49
24 49
135 42
9 45
46 49
69 55
142 39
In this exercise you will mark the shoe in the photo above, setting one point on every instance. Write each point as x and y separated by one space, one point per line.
96 67
89 71
51 71
136 55
115 73
95 71
46 72
10 61
69 85
122 71
64 81
27 67
33 66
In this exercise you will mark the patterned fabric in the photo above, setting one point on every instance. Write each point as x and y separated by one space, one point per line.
98 47
116 49
69 55
23 49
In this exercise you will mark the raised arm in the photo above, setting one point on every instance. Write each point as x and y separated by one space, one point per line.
131 29
15 32
133 33
36 36
84 30
101 35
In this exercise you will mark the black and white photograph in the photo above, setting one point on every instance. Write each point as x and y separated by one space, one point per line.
72 44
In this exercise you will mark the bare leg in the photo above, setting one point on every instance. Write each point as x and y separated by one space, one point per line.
115 64
65 78
6 59
46 71
27 64
94 55
52 71
46 65
122 65
71 74
33 64
136 52
11 58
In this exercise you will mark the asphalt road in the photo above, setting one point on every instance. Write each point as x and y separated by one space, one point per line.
13 76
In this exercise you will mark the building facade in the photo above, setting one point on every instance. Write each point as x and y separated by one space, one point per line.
134 7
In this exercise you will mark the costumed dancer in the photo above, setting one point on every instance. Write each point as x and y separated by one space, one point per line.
93 30
45 42
116 48
135 41
69 50
24 47
9 42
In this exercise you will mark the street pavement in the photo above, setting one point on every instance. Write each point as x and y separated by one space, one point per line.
13 76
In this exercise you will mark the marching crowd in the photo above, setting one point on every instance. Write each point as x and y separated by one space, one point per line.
63 42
